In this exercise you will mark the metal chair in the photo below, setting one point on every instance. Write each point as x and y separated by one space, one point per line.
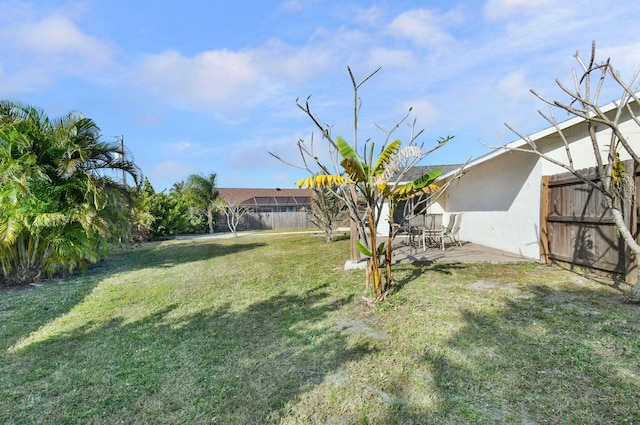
415 225
452 230
432 231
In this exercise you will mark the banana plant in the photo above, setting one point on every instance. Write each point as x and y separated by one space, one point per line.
371 176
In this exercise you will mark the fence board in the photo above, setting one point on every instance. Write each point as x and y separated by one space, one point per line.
577 226
270 220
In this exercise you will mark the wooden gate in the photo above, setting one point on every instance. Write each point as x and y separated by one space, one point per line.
577 227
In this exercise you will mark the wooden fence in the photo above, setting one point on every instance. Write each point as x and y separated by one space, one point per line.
577 226
270 220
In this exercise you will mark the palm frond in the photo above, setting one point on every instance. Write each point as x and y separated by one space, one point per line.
49 220
10 228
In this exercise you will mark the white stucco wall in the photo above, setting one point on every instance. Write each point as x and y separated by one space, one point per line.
581 147
499 203
383 224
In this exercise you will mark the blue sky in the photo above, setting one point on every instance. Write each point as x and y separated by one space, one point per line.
201 86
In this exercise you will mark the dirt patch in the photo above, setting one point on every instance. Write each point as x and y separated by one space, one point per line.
568 302
480 285
359 327
338 379
485 285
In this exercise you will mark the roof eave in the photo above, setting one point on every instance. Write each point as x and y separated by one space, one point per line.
519 143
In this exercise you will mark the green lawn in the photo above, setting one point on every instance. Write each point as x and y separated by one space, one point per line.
270 329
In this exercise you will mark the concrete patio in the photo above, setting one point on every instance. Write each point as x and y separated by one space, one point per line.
404 252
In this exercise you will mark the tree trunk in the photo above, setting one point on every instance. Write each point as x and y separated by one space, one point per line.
210 221
634 293
353 227
328 234
389 256
375 264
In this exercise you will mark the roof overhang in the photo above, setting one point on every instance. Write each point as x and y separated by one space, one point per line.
522 143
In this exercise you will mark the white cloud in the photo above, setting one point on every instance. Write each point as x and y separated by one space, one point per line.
624 58
424 28
425 112
380 56
283 62
37 47
209 78
293 5
57 35
500 9
226 81
514 86
182 146
371 16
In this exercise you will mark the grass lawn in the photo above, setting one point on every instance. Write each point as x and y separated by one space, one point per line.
270 329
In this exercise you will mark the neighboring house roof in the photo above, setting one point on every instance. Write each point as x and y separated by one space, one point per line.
522 143
264 197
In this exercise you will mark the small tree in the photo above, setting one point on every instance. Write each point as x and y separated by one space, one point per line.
234 211
359 177
328 211
371 178
584 100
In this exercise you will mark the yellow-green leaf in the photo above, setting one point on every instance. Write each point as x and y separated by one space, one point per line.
385 157
323 180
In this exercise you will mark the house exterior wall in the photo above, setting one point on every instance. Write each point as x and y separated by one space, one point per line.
383 223
499 198
581 148
498 203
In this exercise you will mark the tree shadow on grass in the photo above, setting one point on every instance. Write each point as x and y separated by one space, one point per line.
167 254
58 296
219 365
407 273
548 357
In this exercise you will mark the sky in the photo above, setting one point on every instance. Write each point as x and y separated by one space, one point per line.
210 86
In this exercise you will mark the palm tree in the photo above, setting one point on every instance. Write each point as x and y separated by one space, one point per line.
201 193
61 204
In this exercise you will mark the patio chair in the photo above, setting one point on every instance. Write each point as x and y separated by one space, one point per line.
452 230
415 225
432 232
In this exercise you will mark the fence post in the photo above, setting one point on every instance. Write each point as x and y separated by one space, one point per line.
631 263
544 216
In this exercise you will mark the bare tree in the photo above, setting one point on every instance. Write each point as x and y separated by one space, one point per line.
584 102
328 211
234 211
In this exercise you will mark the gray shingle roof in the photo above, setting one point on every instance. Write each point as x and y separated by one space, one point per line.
419 170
